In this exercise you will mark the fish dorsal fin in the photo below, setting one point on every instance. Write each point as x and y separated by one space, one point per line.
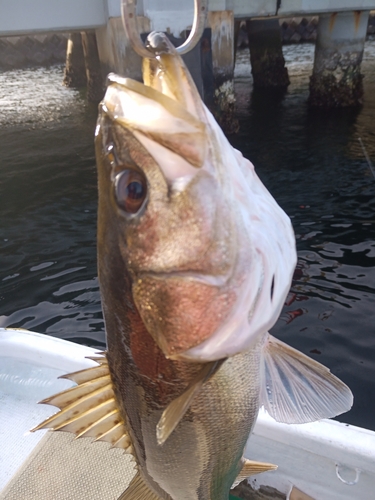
296 389
138 490
89 409
250 468
174 412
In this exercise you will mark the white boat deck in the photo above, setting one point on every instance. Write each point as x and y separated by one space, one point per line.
327 460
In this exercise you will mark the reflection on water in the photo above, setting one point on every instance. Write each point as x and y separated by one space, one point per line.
48 207
311 162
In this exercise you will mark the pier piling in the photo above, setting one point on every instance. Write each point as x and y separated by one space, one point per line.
75 71
266 55
337 80
222 45
95 89
115 51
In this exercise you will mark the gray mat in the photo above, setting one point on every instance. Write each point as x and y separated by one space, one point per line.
62 468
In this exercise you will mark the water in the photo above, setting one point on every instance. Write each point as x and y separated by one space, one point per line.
312 162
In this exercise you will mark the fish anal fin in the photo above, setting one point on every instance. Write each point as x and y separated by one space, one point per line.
86 375
65 398
297 389
174 412
250 468
100 358
138 490
124 443
90 408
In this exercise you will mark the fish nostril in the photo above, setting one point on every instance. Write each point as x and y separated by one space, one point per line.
272 286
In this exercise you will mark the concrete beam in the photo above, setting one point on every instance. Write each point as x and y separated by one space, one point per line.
245 9
315 7
19 17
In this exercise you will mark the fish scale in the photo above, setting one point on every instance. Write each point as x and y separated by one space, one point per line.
211 435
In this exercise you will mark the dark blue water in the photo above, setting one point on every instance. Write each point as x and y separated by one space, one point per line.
312 162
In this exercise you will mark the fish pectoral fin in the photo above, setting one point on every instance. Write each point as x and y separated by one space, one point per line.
250 468
174 412
297 389
89 409
138 490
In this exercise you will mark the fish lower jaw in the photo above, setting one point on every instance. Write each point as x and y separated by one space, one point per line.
216 281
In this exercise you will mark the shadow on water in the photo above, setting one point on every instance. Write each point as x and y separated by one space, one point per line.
311 161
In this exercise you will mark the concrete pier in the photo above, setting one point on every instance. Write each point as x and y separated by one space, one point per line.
266 55
222 46
337 80
95 87
75 71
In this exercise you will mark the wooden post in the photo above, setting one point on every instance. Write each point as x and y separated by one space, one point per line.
75 71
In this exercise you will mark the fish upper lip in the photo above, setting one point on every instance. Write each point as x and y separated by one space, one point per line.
207 279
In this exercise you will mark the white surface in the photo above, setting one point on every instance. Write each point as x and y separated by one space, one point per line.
29 366
308 455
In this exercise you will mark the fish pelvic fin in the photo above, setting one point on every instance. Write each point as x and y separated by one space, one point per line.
174 412
90 408
296 389
138 490
250 468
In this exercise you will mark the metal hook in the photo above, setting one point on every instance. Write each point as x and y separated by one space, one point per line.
129 19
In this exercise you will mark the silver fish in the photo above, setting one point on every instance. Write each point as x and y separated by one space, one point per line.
195 261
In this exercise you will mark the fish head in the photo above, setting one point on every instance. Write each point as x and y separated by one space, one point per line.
178 205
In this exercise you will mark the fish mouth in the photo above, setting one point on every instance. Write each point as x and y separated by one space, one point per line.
217 281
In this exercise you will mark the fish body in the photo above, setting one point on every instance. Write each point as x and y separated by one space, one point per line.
195 261
202 459
203 456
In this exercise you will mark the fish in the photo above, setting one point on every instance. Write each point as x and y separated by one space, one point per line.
195 260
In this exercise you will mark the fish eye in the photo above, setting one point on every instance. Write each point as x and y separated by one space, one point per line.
130 190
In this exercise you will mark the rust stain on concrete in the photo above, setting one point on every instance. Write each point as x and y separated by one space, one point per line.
222 37
332 20
357 18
